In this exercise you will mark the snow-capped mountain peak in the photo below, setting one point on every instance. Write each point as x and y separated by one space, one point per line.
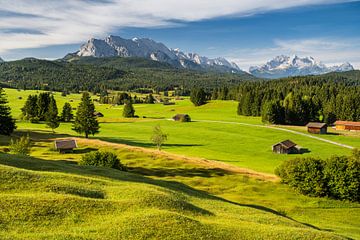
147 48
284 66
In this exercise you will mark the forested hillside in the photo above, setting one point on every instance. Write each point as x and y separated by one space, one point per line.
94 74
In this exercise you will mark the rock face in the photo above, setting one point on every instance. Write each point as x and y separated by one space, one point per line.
285 66
147 48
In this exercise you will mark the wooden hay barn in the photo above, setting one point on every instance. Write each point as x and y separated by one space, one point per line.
317 128
347 125
182 118
285 147
98 114
66 145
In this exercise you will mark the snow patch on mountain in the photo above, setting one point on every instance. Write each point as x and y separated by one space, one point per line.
285 66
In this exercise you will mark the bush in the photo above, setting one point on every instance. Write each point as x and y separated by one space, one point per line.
20 146
305 175
337 177
102 159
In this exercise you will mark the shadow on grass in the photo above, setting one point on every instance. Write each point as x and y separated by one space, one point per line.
144 144
183 172
35 164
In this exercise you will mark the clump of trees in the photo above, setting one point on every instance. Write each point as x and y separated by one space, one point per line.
158 137
298 100
129 111
102 159
85 120
7 123
337 177
41 107
198 96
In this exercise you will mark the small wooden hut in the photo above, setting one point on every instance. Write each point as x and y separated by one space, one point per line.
285 147
182 118
98 114
347 125
66 145
317 127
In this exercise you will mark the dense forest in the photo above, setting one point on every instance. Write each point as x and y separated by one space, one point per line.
299 100
97 74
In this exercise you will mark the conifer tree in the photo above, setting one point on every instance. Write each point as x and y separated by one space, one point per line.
66 114
198 96
43 102
129 110
7 123
51 117
30 110
85 120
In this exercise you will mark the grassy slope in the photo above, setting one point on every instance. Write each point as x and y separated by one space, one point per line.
271 197
240 145
58 200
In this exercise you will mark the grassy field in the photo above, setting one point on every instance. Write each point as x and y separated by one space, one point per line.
245 146
194 200
162 192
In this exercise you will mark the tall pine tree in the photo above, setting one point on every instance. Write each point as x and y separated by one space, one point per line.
85 120
67 114
51 116
7 123
129 110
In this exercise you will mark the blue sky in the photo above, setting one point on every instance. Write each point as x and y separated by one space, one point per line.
247 32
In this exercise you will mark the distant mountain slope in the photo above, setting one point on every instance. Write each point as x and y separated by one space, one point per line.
285 66
147 48
1 60
76 73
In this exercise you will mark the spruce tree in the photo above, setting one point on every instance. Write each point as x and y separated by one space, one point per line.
85 120
51 117
43 102
7 123
30 109
129 110
67 114
198 97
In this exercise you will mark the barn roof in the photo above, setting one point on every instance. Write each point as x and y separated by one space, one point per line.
286 144
65 144
316 125
347 123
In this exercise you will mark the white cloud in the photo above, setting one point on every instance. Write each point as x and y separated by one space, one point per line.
73 21
329 51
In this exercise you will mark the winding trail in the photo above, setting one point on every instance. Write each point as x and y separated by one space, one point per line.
280 129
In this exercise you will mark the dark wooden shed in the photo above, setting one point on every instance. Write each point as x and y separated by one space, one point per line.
98 114
182 118
285 147
66 145
317 127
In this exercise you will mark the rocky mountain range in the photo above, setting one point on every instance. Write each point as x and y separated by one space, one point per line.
285 66
148 48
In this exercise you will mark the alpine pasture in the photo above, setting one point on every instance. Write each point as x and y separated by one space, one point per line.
214 179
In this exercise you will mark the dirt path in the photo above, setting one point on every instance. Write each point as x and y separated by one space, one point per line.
280 129
193 160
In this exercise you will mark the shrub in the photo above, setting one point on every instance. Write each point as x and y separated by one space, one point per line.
102 159
337 177
20 146
305 175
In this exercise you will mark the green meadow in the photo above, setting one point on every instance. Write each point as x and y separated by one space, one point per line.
48 196
242 145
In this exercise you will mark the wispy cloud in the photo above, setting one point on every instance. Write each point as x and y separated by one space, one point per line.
39 23
329 51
